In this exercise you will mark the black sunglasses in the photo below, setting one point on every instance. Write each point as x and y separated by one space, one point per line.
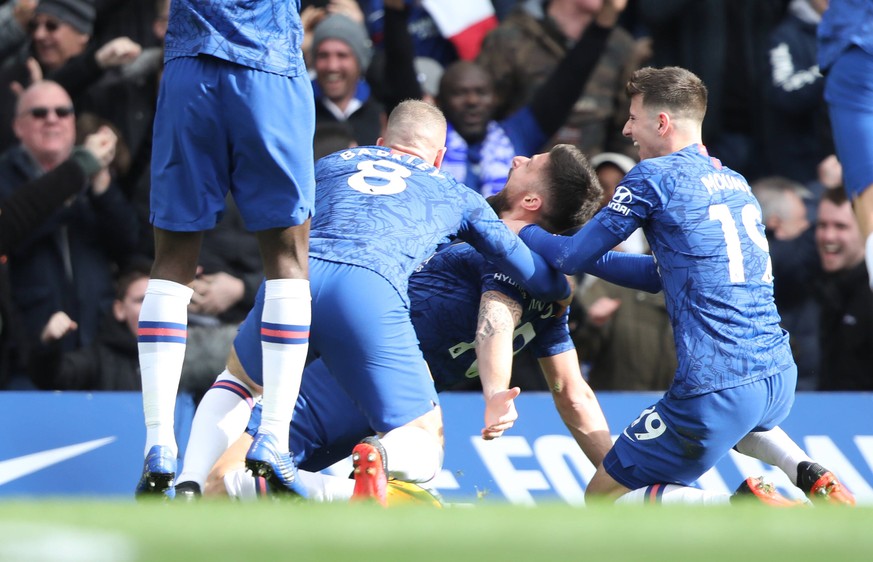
43 112
50 25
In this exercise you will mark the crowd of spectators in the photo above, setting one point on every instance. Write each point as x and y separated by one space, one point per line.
78 86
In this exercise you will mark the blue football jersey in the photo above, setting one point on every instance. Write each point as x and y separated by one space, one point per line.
704 227
265 35
445 292
387 211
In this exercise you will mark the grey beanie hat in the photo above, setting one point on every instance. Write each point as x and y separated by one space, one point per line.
350 32
78 14
620 161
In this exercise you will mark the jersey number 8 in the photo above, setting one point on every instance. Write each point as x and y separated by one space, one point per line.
381 177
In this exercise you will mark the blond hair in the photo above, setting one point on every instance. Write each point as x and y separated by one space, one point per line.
416 124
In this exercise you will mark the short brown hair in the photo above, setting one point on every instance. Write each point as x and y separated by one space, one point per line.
837 196
672 88
573 189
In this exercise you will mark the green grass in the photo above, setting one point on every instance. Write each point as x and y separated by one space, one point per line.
217 530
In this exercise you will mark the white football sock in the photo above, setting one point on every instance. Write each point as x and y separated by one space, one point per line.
163 334
241 485
326 487
220 419
414 454
774 447
285 342
667 494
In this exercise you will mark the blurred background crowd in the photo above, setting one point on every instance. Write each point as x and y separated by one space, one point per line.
78 85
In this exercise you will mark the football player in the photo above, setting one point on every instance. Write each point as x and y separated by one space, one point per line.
736 375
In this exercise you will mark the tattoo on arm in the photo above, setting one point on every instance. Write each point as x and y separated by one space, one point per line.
498 313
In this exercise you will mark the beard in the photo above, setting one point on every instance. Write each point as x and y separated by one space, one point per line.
499 202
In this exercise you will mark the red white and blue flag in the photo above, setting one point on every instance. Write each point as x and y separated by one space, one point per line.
463 22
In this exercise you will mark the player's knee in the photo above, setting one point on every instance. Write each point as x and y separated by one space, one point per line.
602 486
414 454
431 422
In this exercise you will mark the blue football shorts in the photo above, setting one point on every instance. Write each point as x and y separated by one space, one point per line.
362 331
675 441
223 127
849 93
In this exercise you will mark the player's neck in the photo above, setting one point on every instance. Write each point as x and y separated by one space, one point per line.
678 142
425 155
683 134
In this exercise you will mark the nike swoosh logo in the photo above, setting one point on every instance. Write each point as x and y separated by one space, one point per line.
12 469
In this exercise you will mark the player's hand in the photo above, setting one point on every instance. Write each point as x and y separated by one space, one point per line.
500 413
58 326
215 293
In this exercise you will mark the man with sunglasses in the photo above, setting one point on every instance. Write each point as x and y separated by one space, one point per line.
67 264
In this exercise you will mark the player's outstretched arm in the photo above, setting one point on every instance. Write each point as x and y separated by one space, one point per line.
577 405
575 254
504 248
498 315
635 271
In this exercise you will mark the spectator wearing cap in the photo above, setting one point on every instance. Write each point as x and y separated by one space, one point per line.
60 30
341 53
59 48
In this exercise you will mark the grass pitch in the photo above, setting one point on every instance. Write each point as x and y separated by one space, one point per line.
125 531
